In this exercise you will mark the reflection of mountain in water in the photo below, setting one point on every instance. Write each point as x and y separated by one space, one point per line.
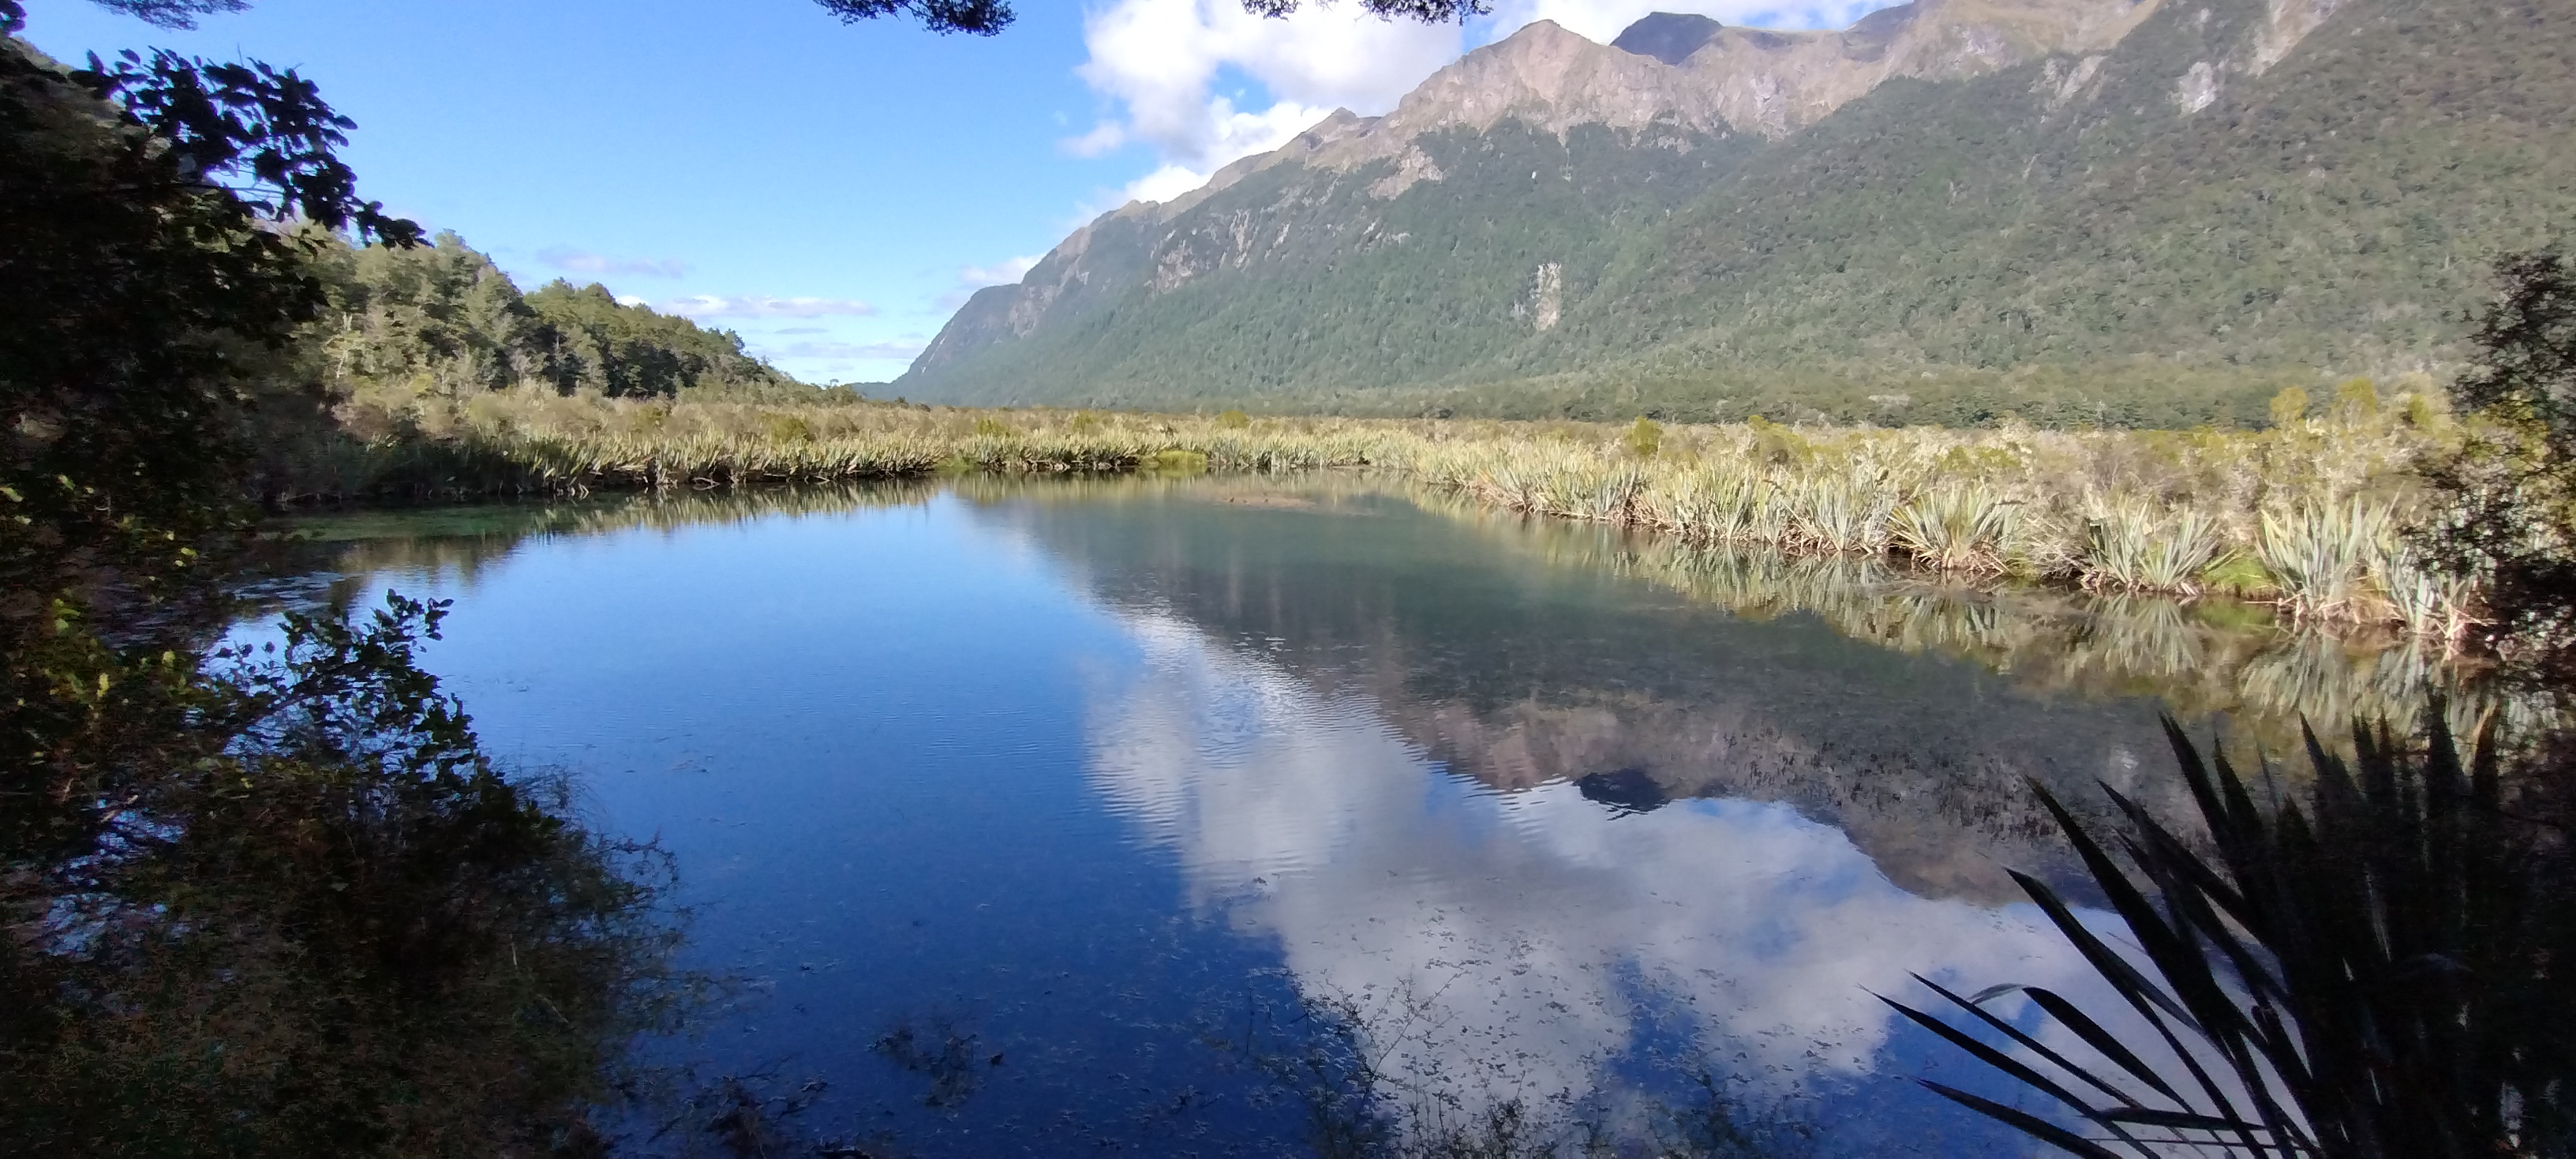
1526 654
1627 790
1668 835
1537 944
1520 673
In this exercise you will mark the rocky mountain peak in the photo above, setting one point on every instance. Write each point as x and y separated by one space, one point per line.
1667 36
1542 75
1775 83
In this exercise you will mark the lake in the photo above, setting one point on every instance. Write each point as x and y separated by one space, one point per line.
1197 816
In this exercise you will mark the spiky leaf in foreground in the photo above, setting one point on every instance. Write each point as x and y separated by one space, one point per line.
2367 976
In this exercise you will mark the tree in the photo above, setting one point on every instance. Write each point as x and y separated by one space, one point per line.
1426 11
172 13
2516 522
148 273
979 17
250 904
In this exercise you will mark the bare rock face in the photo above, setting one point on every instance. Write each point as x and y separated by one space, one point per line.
1692 72
1775 83
1542 76
1550 79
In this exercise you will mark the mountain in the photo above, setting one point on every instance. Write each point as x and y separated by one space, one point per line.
2148 213
1670 37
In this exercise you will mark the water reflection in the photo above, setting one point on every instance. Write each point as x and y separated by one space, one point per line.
2201 658
343 550
1535 943
1549 813
1518 671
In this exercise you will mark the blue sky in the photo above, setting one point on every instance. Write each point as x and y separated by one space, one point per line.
830 192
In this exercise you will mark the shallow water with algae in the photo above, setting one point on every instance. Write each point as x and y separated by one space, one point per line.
1255 815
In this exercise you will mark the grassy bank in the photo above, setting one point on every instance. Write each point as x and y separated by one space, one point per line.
2308 514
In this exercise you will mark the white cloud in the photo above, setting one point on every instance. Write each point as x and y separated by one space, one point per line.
582 262
1104 137
1006 272
900 348
1532 931
1164 184
763 306
1001 273
1161 60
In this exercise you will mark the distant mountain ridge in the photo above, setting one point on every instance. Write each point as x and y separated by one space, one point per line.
2074 210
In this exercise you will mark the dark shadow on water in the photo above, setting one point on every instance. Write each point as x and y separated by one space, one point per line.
1628 790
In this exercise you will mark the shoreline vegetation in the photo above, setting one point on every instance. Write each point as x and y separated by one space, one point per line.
2208 658
2310 515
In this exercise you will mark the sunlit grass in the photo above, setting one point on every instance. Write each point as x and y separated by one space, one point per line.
2310 516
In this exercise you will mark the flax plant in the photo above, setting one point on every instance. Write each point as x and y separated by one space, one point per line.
1843 515
1959 527
2323 554
2139 546
2365 973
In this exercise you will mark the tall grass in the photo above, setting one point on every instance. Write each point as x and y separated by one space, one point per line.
2310 516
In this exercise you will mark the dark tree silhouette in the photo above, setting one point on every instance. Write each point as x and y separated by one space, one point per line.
255 903
2517 524
1426 11
173 13
979 17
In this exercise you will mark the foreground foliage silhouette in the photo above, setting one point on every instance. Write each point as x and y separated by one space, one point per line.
2515 526
270 902
2366 975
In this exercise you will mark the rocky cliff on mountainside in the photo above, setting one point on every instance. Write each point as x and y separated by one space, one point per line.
1774 83
2073 210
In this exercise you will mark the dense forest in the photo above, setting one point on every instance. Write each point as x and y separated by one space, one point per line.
442 319
408 344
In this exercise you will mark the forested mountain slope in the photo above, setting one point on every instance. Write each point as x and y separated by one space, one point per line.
442 319
2151 213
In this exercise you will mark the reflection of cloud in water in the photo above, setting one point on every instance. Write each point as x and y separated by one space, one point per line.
1523 925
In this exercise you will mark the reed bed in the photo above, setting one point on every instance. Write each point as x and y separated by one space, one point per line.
2260 668
2310 516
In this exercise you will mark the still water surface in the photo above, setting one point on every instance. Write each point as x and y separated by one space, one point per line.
1050 818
